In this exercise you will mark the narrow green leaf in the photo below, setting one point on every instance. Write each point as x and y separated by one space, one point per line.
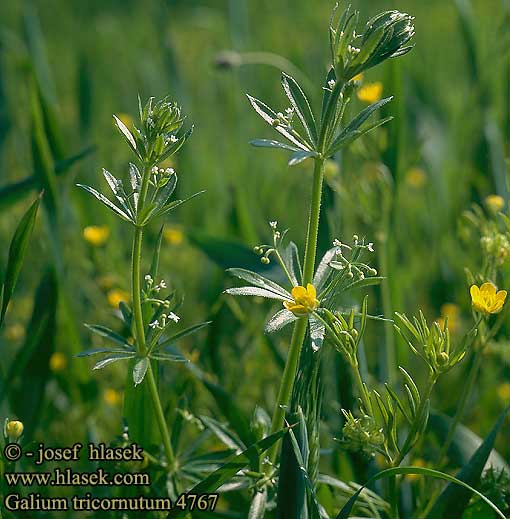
259 281
103 331
269 143
17 250
346 509
301 105
270 116
106 202
183 333
114 357
140 369
32 360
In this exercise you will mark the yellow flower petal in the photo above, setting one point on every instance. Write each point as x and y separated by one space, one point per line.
501 295
311 292
298 292
487 288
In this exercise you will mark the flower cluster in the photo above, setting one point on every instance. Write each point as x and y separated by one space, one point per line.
384 36
157 138
362 434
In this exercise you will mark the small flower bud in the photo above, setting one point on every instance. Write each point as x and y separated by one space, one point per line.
443 358
14 429
265 260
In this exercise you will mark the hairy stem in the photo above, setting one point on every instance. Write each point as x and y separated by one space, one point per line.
141 347
299 333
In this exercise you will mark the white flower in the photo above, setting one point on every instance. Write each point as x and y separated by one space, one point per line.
162 284
273 224
154 324
331 83
175 318
370 247
173 138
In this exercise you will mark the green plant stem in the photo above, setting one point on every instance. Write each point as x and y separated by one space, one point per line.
390 357
361 388
160 417
408 443
393 492
417 422
313 222
299 332
135 286
139 324
461 406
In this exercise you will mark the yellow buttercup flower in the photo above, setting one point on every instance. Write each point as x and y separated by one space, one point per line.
112 397
96 235
371 92
116 295
487 299
173 235
358 77
494 203
14 429
305 300
58 362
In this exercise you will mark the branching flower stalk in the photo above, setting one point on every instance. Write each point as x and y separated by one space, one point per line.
158 137
299 332
308 136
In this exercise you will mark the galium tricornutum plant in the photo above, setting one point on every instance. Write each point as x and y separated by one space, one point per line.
319 136
148 197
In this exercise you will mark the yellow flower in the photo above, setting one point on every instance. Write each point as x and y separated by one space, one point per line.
416 178
494 203
487 299
112 397
504 392
14 430
58 362
358 77
305 300
371 92
173 235
116 295
96 235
